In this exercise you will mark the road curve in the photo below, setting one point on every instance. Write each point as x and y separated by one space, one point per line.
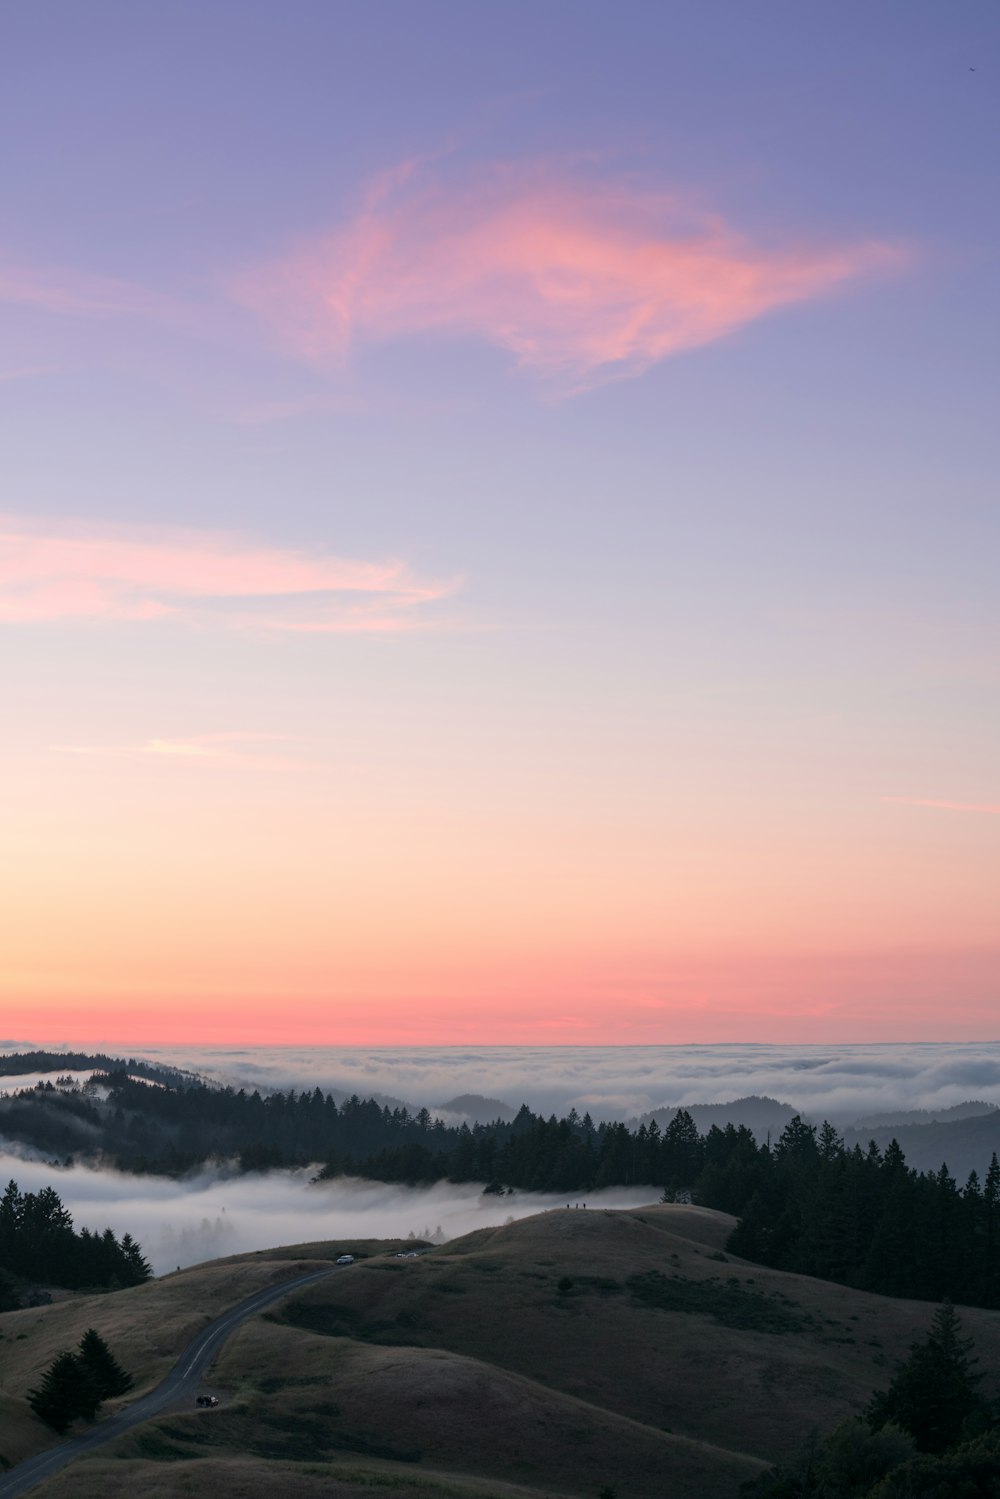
183 1378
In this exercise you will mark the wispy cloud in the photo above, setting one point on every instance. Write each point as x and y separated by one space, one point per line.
104 573
64 290
946 806
580 281
28 372
252 751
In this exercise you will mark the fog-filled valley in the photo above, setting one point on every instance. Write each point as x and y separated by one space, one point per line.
563 1264
213 1212
200 1155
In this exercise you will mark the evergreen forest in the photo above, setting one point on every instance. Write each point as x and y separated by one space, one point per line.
806 1202
39 1245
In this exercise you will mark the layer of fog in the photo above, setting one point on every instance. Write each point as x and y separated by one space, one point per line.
837 1082
211 1214
16 1081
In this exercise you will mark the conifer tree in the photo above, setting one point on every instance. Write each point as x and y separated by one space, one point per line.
934 1391
67 1391
109 1377
137 1268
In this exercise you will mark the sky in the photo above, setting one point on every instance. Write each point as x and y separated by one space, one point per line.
498 540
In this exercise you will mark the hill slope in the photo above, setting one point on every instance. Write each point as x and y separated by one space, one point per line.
558 1354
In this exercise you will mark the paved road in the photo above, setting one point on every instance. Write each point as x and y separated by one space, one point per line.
183 1379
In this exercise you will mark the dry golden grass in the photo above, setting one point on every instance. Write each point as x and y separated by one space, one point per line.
18 1427
495 1297
516 1361
146 1327
246 1478
436 1407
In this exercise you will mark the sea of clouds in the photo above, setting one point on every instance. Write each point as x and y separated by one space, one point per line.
838 1082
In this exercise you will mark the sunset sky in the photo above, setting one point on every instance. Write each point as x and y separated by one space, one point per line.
499 536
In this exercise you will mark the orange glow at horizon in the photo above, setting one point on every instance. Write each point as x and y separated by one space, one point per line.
211 887
801 998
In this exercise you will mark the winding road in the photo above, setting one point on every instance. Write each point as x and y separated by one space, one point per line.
183 1379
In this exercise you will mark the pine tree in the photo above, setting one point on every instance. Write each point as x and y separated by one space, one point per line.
830 1142
66 1392
934 1391
136 1265
109 1377
751 1238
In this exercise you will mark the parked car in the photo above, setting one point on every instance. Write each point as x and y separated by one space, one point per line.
345 1259
207 1400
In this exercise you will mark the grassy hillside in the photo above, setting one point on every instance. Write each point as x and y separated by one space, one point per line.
557 1355
238 1477
146 1326
653 1324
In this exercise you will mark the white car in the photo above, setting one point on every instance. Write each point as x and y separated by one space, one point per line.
345 1259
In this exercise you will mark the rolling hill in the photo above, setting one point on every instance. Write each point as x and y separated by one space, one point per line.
965 1144
561 1354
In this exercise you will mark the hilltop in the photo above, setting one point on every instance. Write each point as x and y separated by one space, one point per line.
557 1354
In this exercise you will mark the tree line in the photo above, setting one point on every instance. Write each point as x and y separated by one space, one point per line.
863 1218
806 1202
39 1244
17 1063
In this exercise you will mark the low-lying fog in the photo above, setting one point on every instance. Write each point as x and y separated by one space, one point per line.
15 1081
211 1214
840 1083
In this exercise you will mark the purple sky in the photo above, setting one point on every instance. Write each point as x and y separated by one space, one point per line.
498 512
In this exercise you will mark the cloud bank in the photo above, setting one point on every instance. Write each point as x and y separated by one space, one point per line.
581 281
86 571
841 1082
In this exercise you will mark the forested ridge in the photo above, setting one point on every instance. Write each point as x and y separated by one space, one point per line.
17 1063
806 1202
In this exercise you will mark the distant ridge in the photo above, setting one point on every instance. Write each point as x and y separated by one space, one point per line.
972 1109
479 1109
964 1144
758 1113
20 1063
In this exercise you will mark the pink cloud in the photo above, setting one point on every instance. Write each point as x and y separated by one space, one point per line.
581 282
86 572
925 801
66 291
